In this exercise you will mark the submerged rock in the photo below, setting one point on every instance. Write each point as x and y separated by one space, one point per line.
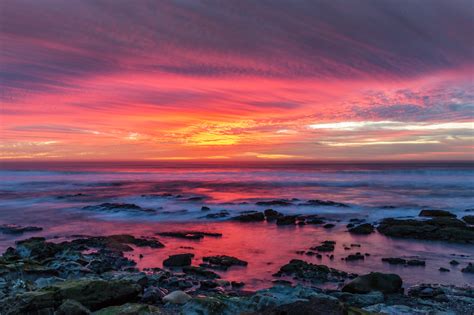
317 202
250 217
178 260
200 272
440 228
18 229
326 246
436 213
224 261
190 235
286 220
118 207
375 281
402 261
365 228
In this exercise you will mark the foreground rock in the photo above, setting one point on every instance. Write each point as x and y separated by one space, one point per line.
375 281
469 219
18 229
440 228
129 309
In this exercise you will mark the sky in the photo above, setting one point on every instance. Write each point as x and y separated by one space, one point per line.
236 80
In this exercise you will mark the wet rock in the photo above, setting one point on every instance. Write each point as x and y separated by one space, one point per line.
316 273
177 297
153 295
442 269
204 208
360 300
190 235
200 272
439 228
374 281
436 213
224 261
129 309
316 305
329 226
118 242
317 202
469 268
178 260
469 219
402 261
286 220
416 262
71 307
326 246
356 256
454 262
279 202
271 214
365 228
314 221
217 215
118 207
36 248
18 229
250 217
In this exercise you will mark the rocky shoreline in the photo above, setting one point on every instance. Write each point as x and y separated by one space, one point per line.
93 274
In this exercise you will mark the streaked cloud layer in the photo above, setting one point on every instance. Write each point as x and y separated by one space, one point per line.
236 79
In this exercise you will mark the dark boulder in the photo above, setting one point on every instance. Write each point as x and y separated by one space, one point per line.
365 228
178 260
469 219
18 229
316 305
303 270
328 226
250 217
286 220
224 261
271 214
469 268
375 281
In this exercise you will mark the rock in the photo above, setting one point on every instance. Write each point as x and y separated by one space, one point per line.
439 228
117 242
46 282
71 307
200 272
129 309
178 260
315 221
317 202
326 246
286 220
469 219
271 214
280 202
360 300
356 256
118 207
224 260
375 281
190 235
18 229
401 261
177 297
250 217
469 268
436 213
454 262
36 248
217 215
204 208
416 262
153 295
316 305
315 273
365 228
442 269
328 226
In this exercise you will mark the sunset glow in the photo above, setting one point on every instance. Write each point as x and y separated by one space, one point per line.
238 80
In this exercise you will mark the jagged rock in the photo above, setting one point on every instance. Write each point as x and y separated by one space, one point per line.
178 260
374 281
224 261
316 273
